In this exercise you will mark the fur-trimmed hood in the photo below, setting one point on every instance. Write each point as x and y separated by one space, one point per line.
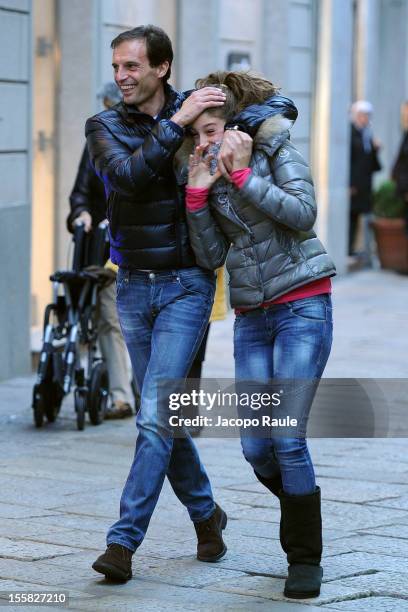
268 124
250 119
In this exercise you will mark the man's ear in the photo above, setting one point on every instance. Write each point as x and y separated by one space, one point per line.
162 69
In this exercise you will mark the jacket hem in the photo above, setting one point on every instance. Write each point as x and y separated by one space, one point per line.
275 296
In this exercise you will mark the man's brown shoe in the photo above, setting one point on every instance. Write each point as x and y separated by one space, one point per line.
115 563
210 545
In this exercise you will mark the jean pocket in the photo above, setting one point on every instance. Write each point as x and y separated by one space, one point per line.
197 284
309 309
122 281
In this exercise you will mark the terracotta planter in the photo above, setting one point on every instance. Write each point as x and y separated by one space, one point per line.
392 243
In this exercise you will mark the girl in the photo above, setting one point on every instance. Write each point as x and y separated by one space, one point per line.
263 216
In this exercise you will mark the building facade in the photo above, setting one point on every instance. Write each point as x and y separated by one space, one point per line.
55 55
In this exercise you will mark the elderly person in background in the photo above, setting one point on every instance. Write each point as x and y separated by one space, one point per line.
88 206
363 163
400 169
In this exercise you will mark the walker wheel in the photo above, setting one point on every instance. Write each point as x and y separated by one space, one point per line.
98 393
38 408
80 409
52 401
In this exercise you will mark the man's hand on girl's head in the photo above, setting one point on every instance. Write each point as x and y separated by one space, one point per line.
196 103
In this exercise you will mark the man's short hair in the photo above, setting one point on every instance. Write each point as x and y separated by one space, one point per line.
158 45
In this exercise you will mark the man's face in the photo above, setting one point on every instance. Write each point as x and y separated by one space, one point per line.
137 80
362 119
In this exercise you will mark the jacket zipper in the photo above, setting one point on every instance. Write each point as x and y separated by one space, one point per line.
252 241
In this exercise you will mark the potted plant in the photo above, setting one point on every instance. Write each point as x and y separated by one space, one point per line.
389 228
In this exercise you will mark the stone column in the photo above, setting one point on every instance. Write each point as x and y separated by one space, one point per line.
367 50
15 185
330 146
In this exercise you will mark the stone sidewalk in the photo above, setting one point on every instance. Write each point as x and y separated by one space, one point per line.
60 491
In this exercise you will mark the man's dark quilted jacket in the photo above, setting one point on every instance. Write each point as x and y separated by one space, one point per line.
133 154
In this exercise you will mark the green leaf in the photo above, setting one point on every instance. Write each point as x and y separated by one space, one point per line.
387 203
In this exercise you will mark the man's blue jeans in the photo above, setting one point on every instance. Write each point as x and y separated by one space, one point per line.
163 316
285 341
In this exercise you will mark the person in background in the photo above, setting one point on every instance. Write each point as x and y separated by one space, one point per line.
400 169
363 163
88 206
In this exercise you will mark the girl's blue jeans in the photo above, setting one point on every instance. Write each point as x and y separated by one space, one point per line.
285 341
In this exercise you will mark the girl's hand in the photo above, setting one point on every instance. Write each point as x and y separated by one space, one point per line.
199 169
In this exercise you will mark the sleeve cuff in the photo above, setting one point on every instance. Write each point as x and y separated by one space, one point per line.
176 127
239 177
196 198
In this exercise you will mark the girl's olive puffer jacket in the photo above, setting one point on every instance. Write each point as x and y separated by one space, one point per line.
265 229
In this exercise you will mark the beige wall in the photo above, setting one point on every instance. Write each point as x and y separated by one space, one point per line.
330 144
43 168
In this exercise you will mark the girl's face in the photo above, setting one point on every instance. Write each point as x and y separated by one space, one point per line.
207 129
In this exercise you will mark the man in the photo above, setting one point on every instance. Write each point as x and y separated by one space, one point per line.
163 299
363 163
88 207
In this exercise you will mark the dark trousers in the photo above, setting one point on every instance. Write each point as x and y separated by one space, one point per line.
353 225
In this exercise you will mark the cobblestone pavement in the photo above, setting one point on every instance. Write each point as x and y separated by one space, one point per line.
60 491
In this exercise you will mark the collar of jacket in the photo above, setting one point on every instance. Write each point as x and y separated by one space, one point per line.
252 117
174 100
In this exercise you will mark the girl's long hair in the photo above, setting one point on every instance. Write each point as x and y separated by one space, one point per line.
246 88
